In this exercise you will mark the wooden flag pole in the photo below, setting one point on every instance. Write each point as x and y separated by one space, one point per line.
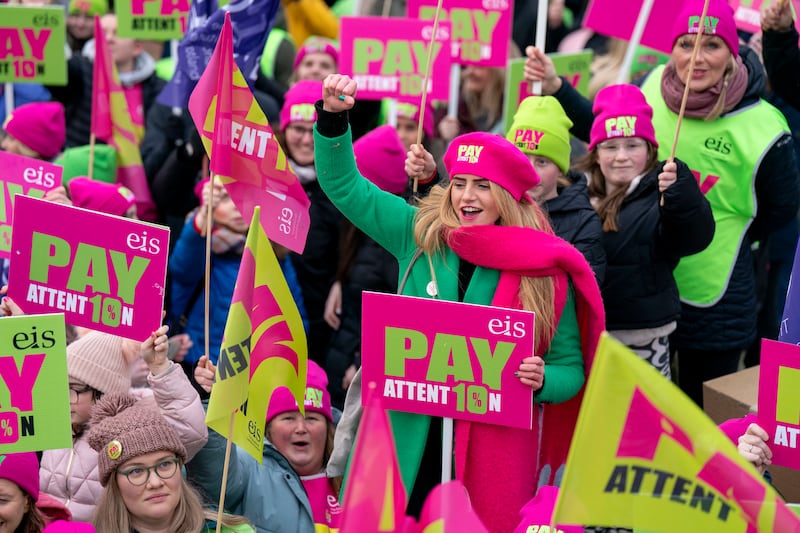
207 281
224 485
697 43
426 81
92 142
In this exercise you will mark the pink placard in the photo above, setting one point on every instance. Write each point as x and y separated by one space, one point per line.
103 272
387 57
779 400
747 13
481 28
22 175
616 18
447 359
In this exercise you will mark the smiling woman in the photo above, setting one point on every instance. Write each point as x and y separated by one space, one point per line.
474 240
288 491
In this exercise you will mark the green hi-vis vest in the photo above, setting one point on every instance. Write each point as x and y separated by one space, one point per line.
726 153
267 62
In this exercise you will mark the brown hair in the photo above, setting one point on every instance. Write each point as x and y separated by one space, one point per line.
32 520
436 213
608 205
189 516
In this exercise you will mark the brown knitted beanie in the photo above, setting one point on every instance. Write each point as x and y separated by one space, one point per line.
97 360
122 429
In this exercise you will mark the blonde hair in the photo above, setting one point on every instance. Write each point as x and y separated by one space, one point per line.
719 106
605 68
189 516
436 213
489 102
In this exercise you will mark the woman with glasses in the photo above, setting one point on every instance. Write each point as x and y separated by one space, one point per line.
740 149
139 457
97 366
643 238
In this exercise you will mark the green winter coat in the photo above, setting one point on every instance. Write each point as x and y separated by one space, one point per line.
389 220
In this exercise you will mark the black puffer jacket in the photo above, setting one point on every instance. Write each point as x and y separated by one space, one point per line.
373 269
782 61
640 290
574 219
731 322
316 267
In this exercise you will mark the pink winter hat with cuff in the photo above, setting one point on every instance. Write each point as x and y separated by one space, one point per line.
100 196
317 45
719 21
40 126
381 158
298 102
317 397
621 111
493 158
23 470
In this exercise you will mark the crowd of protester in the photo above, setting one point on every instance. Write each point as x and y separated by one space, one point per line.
592 227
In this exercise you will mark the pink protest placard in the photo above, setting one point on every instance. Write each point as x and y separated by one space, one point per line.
447 359
481 28
22 175
779 400
103 272
747 13
387 57
616 18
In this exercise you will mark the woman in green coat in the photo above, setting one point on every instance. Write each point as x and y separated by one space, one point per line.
483 241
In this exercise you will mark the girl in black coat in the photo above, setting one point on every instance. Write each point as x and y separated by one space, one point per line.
644 237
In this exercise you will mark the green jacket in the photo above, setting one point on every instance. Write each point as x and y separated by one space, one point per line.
389 220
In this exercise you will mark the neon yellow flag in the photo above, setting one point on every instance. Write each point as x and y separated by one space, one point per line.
263 348
645 456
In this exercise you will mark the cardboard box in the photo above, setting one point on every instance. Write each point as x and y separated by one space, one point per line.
731 396
734 396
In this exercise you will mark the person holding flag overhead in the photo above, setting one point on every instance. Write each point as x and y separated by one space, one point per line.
475 236
741 152
289 491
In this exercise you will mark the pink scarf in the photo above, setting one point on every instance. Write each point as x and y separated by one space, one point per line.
503 467
700 104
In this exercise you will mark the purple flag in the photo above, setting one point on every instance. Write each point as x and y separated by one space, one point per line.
790 323
251 21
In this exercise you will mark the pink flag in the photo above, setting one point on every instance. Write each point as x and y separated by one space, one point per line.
448 509
244 153
101 91
112 124
374 498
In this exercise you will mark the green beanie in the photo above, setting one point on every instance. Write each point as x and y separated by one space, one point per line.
541 128
76 163
88 7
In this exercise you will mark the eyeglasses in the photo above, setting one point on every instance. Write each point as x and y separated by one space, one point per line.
75 393
138 475
612 147
300 131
